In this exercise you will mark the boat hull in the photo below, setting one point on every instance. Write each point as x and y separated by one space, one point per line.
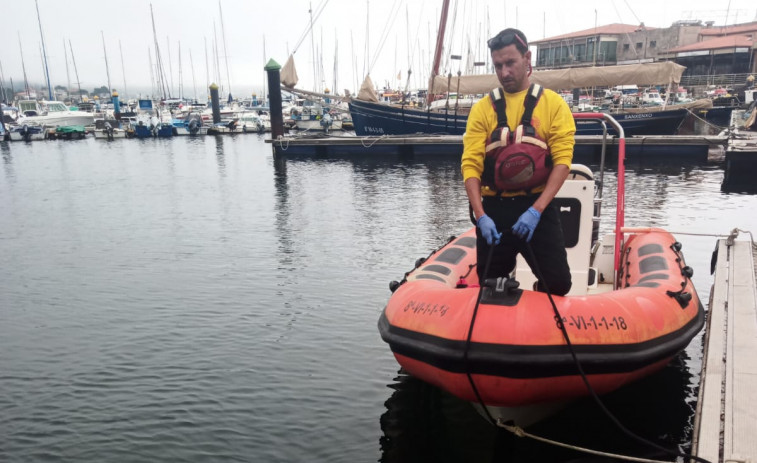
517 356
377 119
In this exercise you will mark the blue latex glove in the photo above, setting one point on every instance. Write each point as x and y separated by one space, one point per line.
488 229
526 224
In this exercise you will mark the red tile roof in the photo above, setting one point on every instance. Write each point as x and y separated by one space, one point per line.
606 29
731 41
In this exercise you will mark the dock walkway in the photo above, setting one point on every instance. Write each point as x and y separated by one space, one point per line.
588 147
725 428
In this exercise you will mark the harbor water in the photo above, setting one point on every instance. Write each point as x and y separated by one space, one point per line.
198 300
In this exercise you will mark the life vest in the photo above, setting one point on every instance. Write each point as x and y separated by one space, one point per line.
518 160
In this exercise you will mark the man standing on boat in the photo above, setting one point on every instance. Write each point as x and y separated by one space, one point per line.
513 166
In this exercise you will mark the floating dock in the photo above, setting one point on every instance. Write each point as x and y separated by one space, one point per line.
588 147
726 416
740 164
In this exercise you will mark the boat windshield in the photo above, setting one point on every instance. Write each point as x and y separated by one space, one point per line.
56 107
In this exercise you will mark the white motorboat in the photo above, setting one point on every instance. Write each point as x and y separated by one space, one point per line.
51 114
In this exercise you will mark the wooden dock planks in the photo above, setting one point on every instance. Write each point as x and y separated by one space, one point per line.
726 412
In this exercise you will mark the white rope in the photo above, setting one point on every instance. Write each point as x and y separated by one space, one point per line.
371 140
521 433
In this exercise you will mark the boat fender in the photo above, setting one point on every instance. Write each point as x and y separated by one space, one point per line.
420 261
393 285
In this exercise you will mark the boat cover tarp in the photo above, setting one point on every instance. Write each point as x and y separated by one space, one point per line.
663 73
289 73
70 129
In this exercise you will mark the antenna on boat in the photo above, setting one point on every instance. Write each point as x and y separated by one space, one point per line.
44 53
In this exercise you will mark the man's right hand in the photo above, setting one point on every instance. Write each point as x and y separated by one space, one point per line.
488 230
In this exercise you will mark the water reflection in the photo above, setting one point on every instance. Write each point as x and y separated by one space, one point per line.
7 160
220 156
423 423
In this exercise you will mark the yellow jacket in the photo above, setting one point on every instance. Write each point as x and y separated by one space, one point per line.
552 120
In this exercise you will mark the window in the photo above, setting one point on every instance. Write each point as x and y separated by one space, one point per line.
638 45
626 46
652 43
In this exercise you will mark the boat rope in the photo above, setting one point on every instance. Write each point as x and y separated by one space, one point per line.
730 236
735 232
705 120
592 392
470 334
370 140
518 431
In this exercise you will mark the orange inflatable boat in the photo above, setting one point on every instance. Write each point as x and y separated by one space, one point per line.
627 315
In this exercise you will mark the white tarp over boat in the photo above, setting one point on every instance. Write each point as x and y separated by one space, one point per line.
289 73
663 73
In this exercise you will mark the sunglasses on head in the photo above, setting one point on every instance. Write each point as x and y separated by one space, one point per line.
503 40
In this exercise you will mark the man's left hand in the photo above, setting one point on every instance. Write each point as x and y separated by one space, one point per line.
526 224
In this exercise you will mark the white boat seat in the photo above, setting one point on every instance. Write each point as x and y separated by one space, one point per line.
575 201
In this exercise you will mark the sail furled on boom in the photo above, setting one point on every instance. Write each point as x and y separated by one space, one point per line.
663 73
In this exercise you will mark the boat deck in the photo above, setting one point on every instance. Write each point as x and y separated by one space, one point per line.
726 416
588 147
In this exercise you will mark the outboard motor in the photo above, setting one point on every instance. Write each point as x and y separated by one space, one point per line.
194 126
109 130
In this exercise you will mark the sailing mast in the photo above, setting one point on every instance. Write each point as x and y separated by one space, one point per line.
107 68
265 75
192 65
3 96
76 71
170 67
181 83
23 66
438 51
44 53
225 53
312 50
123 68
161 81
68 74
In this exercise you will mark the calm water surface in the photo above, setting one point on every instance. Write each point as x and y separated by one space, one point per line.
196 300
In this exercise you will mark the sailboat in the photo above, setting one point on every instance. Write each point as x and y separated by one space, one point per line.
373 118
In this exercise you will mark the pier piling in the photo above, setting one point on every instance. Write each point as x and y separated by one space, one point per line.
215 103
274 95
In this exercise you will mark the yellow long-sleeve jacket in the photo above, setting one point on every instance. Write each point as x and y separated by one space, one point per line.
552 120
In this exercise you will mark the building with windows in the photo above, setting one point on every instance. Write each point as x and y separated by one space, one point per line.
702 48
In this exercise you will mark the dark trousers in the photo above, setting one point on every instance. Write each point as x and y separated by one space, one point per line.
547 244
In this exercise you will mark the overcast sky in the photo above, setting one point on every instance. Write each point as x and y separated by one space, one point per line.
395 35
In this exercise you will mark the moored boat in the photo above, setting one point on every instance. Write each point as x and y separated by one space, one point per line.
26 132
505 348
